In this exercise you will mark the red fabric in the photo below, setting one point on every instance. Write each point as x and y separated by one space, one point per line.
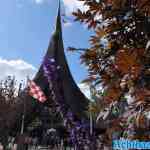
36 92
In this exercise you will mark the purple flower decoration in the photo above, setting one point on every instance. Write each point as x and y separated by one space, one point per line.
79 130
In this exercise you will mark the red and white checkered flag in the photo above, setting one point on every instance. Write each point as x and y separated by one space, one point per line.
36 92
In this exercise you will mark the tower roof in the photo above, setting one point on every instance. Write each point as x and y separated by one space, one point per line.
72 94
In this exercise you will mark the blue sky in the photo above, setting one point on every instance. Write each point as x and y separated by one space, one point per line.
25 30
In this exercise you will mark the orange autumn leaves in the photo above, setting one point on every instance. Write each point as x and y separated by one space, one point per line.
127 62
142 94
112 94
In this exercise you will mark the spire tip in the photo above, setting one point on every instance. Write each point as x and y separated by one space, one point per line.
58 22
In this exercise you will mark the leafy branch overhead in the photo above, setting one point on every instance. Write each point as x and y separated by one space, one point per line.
118 58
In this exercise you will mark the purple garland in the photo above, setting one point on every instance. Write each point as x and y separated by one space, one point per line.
79 130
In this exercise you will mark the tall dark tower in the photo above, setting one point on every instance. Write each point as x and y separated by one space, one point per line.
72 94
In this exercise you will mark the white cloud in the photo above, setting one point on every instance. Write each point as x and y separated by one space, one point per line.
85 89
67 24
18 68
72 5
39 1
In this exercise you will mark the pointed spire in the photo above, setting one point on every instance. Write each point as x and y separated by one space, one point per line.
58 20
72 94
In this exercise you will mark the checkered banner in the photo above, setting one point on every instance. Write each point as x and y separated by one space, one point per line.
36 92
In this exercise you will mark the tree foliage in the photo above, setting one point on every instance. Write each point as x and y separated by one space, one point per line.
8 94
119 59
13 104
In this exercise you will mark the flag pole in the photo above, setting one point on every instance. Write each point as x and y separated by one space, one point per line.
91 123
23 114
24 110
22 124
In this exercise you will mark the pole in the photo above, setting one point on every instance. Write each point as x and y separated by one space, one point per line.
23 114
20 142
24 106
22 124
91 123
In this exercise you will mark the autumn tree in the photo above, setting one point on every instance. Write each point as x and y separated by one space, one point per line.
8 93
12 106
118 60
